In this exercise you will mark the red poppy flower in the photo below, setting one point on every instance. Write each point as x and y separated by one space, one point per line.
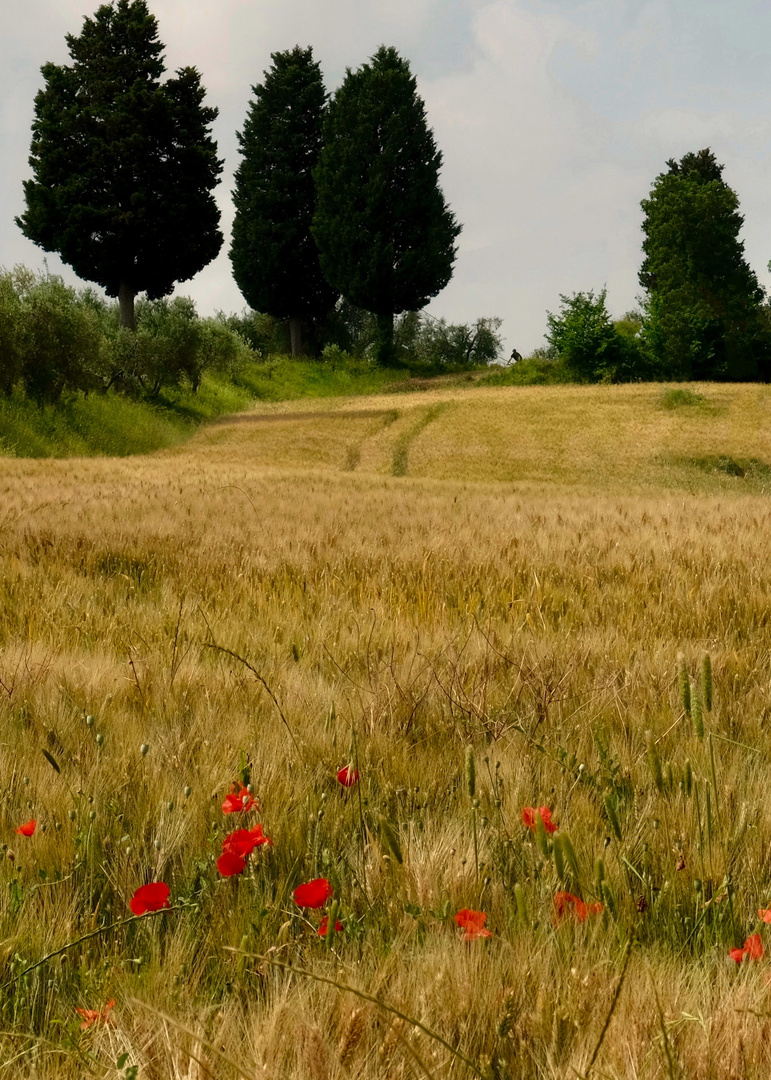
473 922
564 900
239 800
242 842
764 914
230 864
95 1016
27 828
322 930
753 949
313 894
150 897
348 776
528 818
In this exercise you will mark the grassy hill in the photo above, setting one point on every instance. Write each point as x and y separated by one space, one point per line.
476 598
708 437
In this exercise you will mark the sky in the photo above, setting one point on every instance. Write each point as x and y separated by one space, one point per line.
553 117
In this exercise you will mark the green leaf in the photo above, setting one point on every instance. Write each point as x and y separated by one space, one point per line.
51 761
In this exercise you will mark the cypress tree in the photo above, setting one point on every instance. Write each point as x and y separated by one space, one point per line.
124 164
385 234
274 256
703 299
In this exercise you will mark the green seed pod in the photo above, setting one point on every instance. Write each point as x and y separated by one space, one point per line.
559 861
390 837
706 681
89 721
519 897
685 684
570 856
688 779
697 712
599 874
143 749
610 810
654 760
100 739
609 899
471 772
188 791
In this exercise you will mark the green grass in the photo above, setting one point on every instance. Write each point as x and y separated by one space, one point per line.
111 424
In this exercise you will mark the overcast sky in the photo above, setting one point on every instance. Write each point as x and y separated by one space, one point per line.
554 117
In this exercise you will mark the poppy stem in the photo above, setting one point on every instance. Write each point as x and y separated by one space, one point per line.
612 1009
260 679
80 940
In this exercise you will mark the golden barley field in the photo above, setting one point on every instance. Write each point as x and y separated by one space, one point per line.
476 600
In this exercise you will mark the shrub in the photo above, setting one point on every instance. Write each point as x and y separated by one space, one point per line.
11 334
593 348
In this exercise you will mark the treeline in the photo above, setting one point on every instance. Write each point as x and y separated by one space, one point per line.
702 313
56 339
337 199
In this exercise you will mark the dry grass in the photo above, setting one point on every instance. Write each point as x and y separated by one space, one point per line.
537 618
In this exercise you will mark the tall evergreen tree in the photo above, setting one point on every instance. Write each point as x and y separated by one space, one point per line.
275 259
385 234
703 317
124 164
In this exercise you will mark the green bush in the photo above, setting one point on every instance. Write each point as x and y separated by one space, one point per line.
593 348
11 335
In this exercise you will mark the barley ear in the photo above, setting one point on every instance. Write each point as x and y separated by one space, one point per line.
697 712
706 681
390 838
471 772
352 1036
685 683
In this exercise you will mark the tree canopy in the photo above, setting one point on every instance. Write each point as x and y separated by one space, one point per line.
124 164
274 256
385 233
702 318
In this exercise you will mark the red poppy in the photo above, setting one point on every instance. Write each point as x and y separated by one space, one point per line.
322 930
150 897
95 1016
764 914
27 828
229 863
564 900
242 842
753 949
528 818
473 922
313 894
239 800
348 776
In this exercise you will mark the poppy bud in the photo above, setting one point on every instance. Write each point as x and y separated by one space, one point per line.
72 814
89 721
92 815
99 739
143 749
188 792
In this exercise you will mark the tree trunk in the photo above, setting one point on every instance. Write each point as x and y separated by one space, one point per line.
385 340
296 336
126 296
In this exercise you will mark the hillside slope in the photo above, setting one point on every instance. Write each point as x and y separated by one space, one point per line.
713 438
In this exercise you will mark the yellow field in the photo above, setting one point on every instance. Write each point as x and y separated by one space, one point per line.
513 570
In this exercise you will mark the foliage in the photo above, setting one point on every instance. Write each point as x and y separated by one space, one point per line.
702 309
593 348
274 257
124 164
534 370
421 341
385 234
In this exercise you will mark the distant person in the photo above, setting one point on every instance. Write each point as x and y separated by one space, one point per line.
515 356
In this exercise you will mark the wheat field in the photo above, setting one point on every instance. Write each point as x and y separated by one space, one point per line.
422 587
